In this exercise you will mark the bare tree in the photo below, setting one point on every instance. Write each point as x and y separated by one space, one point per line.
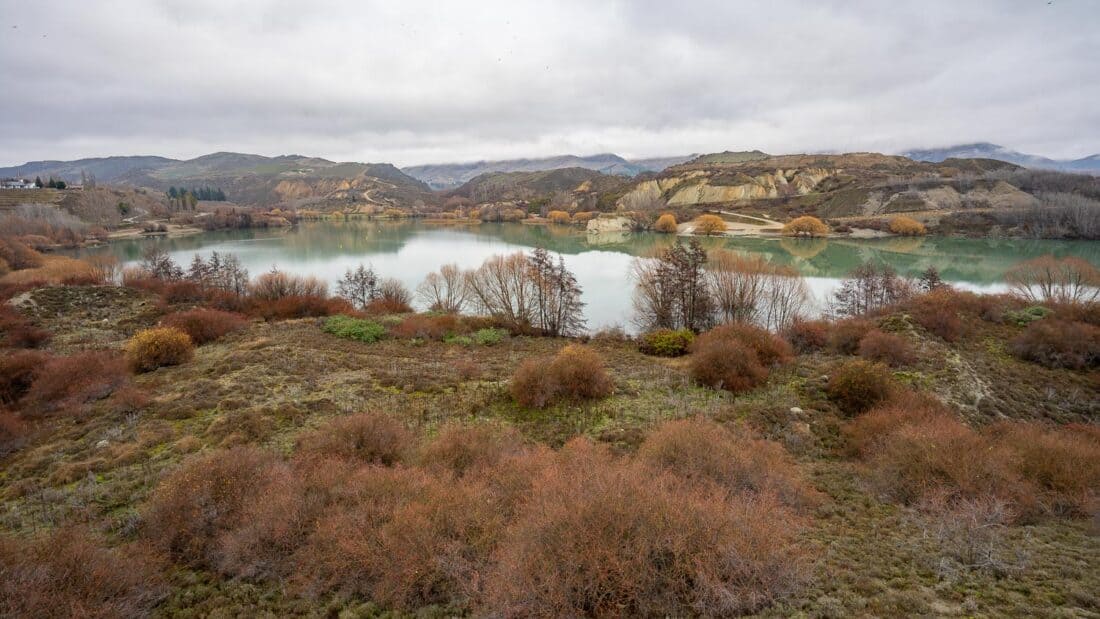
751 289
671 290
358 286
444 291
737 283
501 288
868 288
1058 280
157 263
558 306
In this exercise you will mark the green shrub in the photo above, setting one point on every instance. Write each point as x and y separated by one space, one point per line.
489 337
461 340
858 385
355 328
666 342
1027 315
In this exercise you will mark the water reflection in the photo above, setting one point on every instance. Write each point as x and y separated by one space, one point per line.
409 250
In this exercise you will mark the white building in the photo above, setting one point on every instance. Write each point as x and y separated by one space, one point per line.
17 183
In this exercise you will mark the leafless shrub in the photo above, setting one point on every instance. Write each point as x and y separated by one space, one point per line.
501 288
1047 279
868 288
971 532
444 291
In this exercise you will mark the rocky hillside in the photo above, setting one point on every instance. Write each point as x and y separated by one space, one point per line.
104 169
576 188
453 175
291 180
857 184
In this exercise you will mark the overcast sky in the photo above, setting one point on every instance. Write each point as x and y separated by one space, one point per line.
412 82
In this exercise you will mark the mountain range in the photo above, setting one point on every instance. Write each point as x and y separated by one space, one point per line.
985 150
452 175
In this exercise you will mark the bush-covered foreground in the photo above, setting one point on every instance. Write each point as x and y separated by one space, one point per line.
477 519
934 457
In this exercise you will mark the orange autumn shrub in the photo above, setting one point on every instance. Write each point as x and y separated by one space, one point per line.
154 348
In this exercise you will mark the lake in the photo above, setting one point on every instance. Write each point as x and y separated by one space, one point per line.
408 250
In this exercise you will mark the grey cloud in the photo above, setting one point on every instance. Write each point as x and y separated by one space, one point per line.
417 82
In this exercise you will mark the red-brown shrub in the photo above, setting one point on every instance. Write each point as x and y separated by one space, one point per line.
384 306
1061 463
888 348
13 432
17 373
276 285
915 447
409 540
700 450
17 255
579 373
575 373
27 336
300 306
770 349
376 438
725 364
195 505
68 574
68 383
205 325
160 347
18 331
858 385
182 292
426 326
1058 344
808 335
458 449
904 407
267 533
846 334
11 289
599 537
938 312
532 385
937 453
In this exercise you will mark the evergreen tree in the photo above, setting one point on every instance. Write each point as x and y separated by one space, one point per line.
38 182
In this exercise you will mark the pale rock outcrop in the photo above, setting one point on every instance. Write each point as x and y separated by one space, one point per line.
605 225
768 185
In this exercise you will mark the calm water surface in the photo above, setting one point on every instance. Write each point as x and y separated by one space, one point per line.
409 250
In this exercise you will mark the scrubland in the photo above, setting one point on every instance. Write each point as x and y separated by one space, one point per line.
171 447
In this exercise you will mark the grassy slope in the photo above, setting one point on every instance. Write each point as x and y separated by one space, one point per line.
265 384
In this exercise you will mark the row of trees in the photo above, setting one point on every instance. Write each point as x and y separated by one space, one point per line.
51 184
209 194
218 272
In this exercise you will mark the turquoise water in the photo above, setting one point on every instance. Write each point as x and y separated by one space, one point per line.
409 250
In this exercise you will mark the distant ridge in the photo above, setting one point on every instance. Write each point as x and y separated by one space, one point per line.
986 150
452 175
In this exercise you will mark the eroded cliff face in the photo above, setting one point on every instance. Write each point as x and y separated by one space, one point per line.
999 196
700 187
299 188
